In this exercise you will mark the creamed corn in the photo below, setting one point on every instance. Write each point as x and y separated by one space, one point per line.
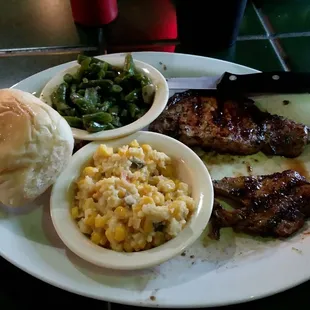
129 200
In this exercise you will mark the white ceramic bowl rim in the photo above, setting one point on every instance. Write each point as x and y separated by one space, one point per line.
159 103
78 243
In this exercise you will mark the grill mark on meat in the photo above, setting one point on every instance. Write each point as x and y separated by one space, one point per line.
274 205
235 126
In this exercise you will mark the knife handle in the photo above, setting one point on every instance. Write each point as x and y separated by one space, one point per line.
265 82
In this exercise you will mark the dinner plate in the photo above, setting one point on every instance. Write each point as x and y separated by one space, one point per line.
235 269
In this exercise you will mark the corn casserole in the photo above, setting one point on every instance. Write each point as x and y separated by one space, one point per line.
129 199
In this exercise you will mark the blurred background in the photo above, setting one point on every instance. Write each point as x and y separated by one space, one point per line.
37 34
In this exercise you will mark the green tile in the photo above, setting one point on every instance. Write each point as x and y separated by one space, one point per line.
250 24
297 52
287 15
257 54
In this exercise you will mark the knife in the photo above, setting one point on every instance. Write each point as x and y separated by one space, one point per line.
263 82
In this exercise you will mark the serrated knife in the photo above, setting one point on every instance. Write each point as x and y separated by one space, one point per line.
262 82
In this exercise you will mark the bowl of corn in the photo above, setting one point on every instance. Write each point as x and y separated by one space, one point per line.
133 202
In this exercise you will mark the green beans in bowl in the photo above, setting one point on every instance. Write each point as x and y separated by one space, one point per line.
108 96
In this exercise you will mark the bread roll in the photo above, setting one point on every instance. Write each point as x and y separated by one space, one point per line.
36 144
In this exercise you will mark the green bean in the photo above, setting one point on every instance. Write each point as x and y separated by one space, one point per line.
99 117
133 110
143 79
81 92
93 127
68 78
116 121
114 110
124 113
129 66
73 88
74 121
103 84
105 105
93 60
110 74
59 99
84 66
148 93
83 105
133 95
140 113
122 78
91 95
101 96
116 89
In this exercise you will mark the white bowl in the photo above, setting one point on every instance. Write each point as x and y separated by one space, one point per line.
159 103
191 170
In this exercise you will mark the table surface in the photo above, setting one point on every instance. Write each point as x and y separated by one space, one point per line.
38 34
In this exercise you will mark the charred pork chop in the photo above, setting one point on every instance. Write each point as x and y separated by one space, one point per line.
229 126
268 205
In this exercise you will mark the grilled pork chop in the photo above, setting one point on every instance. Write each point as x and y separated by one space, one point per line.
269 205
229 126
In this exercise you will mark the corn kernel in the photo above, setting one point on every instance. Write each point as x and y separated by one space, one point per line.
175 209
135 152
159 238
109 235
127 247
75 212
89 204
158 198
148 226
120 233
104 151
168 171
145 189
154 180
95 237
121 212
190 203
146 200
167 186
121 193
122 150
90 220
118 247
137 208
103 240
169 196
134 143
183 187
100 221
90 171
146 148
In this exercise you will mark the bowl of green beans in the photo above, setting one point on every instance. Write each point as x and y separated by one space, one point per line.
105 98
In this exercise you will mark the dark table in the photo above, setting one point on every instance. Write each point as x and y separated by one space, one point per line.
38 34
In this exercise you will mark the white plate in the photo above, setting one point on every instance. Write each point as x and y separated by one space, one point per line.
236 269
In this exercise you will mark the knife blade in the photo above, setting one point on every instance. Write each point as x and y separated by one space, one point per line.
262 82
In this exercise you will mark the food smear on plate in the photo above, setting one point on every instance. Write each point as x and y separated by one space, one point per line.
274 205
103 97
36 144
129 199
229 126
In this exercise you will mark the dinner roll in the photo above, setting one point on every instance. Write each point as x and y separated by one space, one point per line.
36 144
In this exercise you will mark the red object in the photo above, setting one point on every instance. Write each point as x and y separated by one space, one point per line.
94 12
